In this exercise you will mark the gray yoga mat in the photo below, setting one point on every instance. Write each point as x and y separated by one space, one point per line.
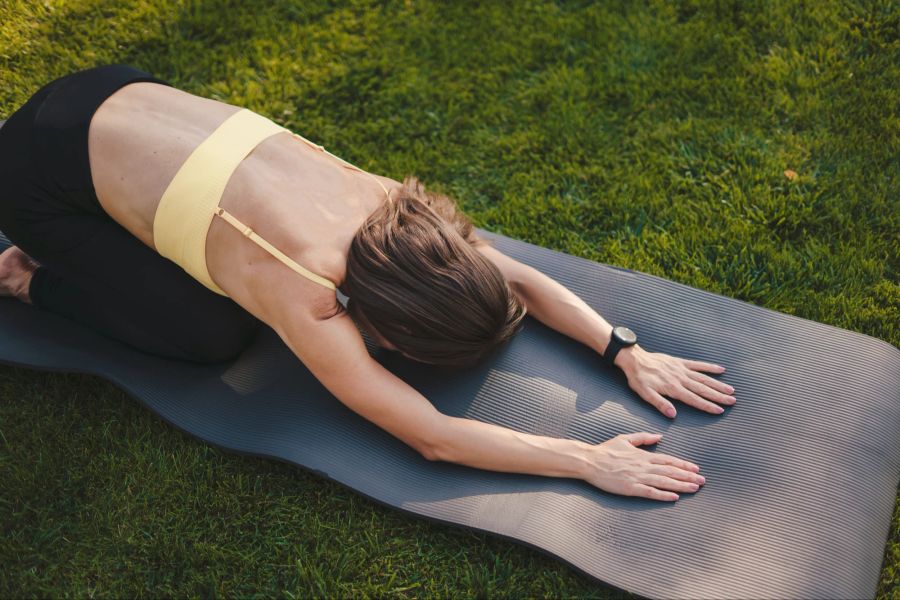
801 472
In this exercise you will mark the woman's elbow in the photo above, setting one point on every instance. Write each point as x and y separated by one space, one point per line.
437 453
436 447
429 452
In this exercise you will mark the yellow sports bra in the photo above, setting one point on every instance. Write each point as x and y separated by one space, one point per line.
192 198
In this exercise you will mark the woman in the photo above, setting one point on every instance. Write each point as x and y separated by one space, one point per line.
135 209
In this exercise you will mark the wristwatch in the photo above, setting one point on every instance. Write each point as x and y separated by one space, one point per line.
621 337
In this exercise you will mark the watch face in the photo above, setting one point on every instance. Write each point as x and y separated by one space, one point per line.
625 336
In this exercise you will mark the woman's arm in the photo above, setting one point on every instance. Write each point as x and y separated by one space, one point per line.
555 306
334 351
651 375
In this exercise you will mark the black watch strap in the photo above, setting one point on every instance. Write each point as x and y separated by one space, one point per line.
620 337
612 350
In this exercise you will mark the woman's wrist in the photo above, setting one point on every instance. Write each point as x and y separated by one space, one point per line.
594 462
628 357
584 460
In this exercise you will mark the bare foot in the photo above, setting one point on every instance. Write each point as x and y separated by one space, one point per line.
16 269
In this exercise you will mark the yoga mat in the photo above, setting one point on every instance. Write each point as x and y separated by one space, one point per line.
801 472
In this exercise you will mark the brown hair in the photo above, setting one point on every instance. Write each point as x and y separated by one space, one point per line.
414 276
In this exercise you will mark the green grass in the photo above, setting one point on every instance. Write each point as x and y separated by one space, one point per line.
652 135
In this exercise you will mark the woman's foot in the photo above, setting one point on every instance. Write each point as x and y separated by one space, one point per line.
16 269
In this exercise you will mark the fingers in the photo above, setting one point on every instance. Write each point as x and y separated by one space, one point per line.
692 399
661 404
642 438
665 459
676 473
709 393
715 384
667 483
704 366
645 491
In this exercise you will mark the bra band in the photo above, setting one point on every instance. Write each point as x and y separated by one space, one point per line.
186 209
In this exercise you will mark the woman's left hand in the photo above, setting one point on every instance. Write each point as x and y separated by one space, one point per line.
653 375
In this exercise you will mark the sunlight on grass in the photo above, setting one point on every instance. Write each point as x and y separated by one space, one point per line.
746 148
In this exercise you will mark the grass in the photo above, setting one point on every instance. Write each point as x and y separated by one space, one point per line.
652 135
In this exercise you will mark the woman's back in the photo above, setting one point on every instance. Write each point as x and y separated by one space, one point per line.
113 145
301 200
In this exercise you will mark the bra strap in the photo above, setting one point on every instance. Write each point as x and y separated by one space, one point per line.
281 256
346 164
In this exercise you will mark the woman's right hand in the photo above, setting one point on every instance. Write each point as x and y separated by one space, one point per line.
620 467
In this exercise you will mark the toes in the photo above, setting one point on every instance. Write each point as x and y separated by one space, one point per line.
14 258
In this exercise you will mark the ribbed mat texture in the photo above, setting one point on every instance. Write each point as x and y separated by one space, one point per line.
801 473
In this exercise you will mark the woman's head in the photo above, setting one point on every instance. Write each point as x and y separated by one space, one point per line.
415 277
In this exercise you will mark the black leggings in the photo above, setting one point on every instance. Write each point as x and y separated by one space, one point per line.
92 269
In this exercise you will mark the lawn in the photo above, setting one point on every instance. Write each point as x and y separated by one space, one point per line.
750 148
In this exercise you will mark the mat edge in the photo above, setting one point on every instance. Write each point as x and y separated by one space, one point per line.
878 341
